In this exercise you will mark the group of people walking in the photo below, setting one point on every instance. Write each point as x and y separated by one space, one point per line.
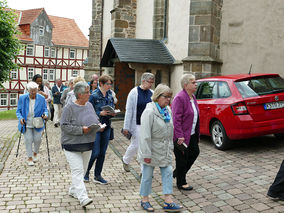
158 130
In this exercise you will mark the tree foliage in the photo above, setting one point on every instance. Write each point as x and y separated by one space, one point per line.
9 43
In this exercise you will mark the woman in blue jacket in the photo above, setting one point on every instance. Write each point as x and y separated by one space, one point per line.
102 96
30 106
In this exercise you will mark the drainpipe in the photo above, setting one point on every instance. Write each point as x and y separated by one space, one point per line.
102 26
165 20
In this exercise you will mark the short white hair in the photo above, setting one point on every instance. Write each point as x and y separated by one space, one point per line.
146 76
32 85
185 79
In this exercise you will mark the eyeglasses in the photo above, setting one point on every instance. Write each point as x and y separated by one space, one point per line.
167 96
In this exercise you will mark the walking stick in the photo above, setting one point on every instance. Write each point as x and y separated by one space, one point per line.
46 141
20 139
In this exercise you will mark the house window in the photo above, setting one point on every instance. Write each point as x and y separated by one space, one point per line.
45 74
53 52
3 99
30 50
13 99
46 52
41 30
72 53
14 74
158 78
51 75
75 73
30 73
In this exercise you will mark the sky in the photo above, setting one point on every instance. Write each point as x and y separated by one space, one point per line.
80 11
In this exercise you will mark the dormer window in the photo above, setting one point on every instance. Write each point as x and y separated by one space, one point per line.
72 53
41 30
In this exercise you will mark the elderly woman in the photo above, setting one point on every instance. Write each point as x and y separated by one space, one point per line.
186 130
156 146
101 97
77 139
136 102
31 106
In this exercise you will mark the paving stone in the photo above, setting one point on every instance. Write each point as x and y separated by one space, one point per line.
233 181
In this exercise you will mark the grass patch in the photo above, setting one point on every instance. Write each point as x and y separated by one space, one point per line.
8 115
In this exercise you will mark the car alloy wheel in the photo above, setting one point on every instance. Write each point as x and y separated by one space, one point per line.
219 136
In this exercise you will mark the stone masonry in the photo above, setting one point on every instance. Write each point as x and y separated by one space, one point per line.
204 38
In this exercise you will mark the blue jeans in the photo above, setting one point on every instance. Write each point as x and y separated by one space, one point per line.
99 152
146 180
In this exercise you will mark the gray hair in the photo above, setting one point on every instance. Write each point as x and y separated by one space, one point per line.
80 88
185 79
146 76
161 89
32 85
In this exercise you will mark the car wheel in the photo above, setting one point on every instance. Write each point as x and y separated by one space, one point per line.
279 136
219 136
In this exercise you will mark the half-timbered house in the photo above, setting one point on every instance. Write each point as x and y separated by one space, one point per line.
53 46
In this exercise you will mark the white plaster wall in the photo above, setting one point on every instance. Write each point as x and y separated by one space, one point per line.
176 74
252 32
108 6
178 25
144 19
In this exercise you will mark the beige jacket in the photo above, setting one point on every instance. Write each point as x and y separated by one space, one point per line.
156 137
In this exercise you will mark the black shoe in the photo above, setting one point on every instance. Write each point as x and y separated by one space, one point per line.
56 125
174 173
189 188
275 197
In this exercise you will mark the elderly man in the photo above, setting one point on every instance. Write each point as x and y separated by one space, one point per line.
57 90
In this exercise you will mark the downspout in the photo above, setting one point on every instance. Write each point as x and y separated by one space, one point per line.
102 26
165 21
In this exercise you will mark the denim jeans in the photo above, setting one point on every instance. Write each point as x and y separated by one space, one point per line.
99 152
146 180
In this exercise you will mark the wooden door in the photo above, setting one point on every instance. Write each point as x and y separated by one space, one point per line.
124 82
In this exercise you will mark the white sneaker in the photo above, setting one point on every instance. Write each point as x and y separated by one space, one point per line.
30 163
86 202
35 159
72 195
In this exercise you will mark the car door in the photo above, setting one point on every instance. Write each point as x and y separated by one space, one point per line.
206 94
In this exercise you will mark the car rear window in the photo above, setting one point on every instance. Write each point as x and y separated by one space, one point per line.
260 86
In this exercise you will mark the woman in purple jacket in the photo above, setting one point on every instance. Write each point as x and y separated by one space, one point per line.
186 130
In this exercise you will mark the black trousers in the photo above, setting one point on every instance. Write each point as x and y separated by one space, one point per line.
184 160
277 188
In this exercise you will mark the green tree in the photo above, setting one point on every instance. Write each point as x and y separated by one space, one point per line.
9 43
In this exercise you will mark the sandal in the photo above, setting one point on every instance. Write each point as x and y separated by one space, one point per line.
172 207
147 206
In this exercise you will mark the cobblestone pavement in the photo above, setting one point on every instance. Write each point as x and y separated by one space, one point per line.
233 181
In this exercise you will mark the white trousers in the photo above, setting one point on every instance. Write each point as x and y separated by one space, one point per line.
78 162
57 113
32 137
133 147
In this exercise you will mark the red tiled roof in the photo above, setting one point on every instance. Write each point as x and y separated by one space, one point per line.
28 16
65 31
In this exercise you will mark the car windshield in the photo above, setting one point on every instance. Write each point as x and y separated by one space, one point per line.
260 86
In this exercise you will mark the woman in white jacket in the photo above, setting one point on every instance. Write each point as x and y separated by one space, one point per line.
156 147
136 102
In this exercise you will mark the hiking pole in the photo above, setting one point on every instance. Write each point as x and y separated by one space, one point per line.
46 140
20 139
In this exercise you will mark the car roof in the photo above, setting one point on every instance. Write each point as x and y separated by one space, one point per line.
238 77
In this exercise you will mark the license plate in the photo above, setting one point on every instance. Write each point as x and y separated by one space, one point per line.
274 105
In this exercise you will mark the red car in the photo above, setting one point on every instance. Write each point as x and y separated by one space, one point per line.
240 106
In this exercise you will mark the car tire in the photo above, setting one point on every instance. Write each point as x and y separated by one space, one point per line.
279 136
219 136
